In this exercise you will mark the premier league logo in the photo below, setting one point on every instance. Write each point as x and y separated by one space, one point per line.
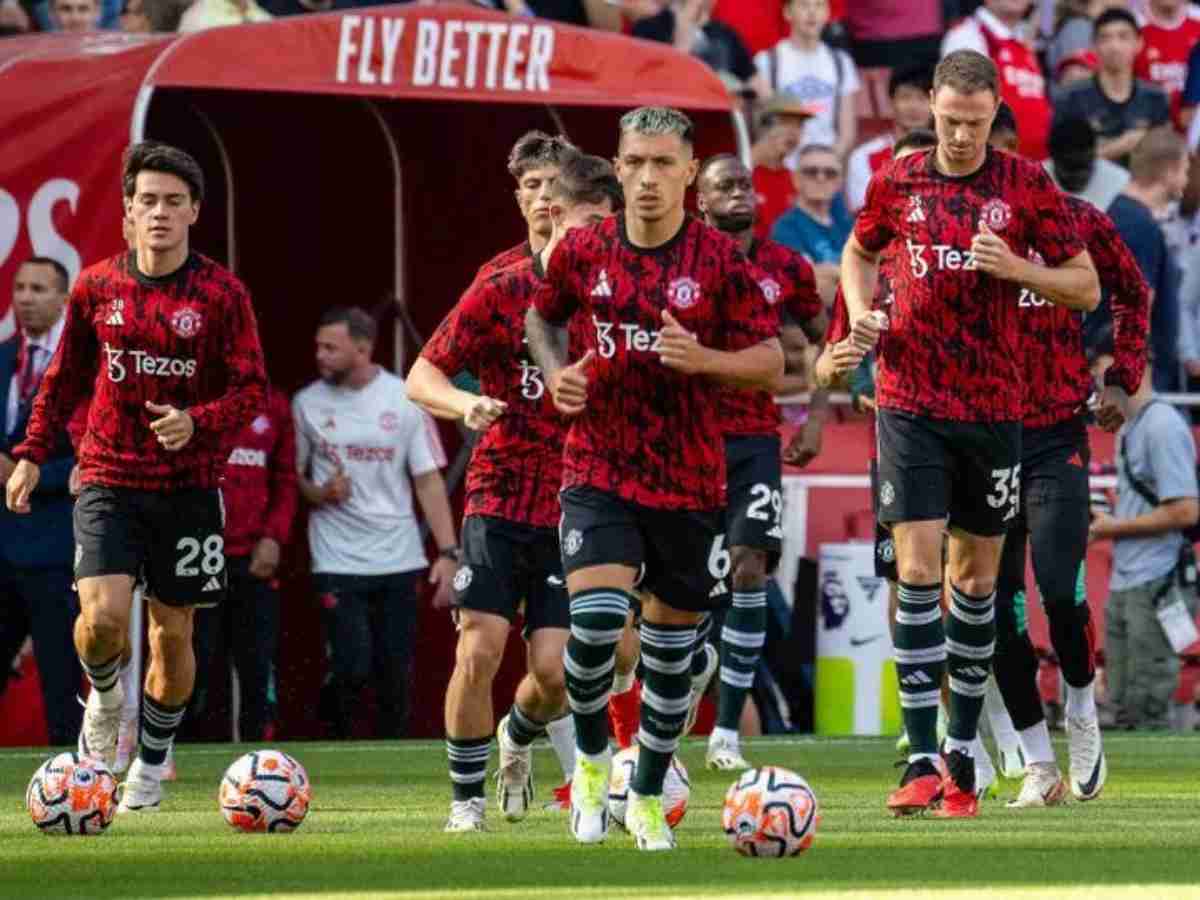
683 293
186 322
835 602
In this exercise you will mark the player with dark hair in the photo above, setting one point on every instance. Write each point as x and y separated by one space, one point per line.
962 220
182 369
533 162
1054 513
750 421
510 546
675 309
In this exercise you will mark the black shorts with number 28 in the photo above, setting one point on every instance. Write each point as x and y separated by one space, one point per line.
172 542
969 472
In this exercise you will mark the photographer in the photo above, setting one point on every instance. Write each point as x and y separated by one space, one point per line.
1153 564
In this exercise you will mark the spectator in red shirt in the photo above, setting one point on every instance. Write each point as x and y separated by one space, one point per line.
884 31
1170 29
908 90
778 136
260 497
996 31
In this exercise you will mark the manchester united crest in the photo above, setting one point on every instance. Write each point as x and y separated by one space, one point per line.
683 293
996 214
261 425
186 322
771 290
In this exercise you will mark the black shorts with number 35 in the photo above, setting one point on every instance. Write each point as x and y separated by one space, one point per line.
683 551
172 542
969 472
753 473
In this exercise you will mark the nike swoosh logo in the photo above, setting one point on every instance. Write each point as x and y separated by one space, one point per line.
1088 787
858 642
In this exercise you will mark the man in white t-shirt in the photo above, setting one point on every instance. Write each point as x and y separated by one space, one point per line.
359 440
820 77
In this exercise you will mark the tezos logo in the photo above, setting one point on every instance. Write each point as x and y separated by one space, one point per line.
683 293
144 363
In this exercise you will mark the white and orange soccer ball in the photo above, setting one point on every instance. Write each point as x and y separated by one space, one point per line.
72 794
770 812
266 790
676 788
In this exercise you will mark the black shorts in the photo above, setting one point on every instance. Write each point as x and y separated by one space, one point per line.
754 483
508 567
172 542
684 553
1054 514
929 468
885 547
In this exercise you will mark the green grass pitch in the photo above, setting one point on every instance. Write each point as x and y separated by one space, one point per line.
375 830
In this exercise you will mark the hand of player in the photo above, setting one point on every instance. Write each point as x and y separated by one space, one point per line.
866 403
678 348
337 488
20 485
1109 411
846 356
482 412
569 385
174 427
1101 527
865 332
805 445
7 464
74 481
993 256
441 576
264 561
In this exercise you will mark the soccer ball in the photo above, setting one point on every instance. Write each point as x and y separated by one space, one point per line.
265 791
676 787
72 794
770 812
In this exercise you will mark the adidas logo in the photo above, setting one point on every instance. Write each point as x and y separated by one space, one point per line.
718 589
213 584
602 288
916 679
974 672
114 313
775 532
916 213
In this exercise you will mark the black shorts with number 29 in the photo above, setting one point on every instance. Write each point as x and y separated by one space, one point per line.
753 473
683 551
508 567
969 472
173 542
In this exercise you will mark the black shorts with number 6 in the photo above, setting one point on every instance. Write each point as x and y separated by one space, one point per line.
683 551
174 543
969 472
753 473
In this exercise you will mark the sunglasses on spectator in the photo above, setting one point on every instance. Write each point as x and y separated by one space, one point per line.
829 173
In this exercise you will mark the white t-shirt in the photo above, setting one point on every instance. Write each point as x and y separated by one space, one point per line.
812 78
859 171
380 438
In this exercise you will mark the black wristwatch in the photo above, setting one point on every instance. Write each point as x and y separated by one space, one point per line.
453 553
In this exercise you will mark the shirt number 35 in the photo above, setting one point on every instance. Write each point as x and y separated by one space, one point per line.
1006 491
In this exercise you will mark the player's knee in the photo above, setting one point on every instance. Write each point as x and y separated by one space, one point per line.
167 643
749 568
547 671
976 585
477 659
917 572
103 629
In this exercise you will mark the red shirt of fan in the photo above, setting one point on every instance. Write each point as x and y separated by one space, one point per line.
259 489
1164 56
516 467
789 284
1058 382
649 434
776 192
953 346
505 259
187 340
1022 84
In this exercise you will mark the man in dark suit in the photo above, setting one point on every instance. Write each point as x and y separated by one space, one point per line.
36 597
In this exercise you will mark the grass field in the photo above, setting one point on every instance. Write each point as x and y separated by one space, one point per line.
375 829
